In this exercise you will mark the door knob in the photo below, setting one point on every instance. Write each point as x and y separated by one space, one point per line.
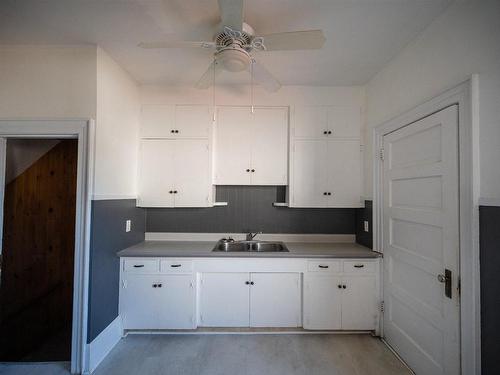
446 279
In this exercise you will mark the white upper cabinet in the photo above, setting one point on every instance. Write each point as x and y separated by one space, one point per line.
175 173
233 135
326 122
175 121
309 121
157 120
326 157
156 173
193 121
251 148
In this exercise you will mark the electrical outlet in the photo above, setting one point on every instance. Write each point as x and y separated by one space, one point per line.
128 225
366 224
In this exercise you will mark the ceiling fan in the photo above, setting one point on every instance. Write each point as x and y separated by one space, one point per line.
235 43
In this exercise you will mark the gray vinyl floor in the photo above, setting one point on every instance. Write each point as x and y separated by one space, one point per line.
238 354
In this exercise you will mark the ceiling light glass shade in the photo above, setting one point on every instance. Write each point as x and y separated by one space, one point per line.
234 60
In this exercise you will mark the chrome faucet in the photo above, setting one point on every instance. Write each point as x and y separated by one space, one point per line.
251 235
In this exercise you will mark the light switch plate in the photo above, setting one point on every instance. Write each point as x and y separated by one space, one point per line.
128 225
366 226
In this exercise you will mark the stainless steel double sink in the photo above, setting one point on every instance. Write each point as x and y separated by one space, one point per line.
250 246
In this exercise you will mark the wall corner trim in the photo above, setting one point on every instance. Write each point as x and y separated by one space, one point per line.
100 347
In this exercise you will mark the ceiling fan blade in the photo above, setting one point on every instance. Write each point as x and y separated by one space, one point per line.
207 79
294 40
262 76
177 44
231 13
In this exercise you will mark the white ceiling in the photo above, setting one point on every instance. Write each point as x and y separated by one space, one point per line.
361 35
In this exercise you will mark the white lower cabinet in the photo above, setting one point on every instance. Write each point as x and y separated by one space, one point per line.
224 299
347 302
250 299
322 301
317 294
158 302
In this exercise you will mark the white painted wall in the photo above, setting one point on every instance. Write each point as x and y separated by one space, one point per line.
47 81
78 82
464 40
117 130
241 95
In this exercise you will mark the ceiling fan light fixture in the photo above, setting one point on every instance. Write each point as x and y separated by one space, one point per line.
234 60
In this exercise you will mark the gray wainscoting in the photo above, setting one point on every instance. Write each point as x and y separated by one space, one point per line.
108 236
250 209
489 227
362 214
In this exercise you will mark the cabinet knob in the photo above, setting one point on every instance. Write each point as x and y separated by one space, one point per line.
177 131
247 282
325 132
160 285
248 170
175 191
253 170
325 193
329 132
344 287
172 131
171 192
339 286
251 283
329 193
155 285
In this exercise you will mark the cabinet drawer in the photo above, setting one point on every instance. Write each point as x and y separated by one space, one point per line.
176 266
323 266
353 266
139 265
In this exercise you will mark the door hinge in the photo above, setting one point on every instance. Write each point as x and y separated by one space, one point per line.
361 148
201 317
382 306
382 154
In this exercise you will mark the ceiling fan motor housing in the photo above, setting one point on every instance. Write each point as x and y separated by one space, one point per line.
233 47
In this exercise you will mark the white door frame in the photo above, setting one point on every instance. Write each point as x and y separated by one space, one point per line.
83 130
465 96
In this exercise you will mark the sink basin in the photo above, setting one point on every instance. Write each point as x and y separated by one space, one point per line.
251 246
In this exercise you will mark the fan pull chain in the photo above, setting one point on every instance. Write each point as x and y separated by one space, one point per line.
213 90
251 84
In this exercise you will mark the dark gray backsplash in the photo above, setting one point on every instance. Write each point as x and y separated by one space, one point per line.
362 214
107 237
250 209
489 237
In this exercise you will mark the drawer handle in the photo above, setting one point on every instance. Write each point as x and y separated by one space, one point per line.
359 265
322 266
175 265
138 265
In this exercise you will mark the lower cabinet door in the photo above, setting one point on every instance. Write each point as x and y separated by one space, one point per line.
176 302
322 301
224 299
139 301
359 303
275 300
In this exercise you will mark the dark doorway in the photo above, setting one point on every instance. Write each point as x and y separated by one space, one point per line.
37 260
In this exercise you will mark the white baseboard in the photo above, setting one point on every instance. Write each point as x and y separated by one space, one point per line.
291 237
100 347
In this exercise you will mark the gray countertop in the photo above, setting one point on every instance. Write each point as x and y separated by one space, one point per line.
203 249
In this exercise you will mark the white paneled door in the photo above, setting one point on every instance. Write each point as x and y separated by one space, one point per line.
421 243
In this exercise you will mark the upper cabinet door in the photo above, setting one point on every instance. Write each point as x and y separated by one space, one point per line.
156 173
192 173
269 147
233 138
343 168
157 121
309 121
344 122
192 121
309 174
